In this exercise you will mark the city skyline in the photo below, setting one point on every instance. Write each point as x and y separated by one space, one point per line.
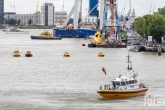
22 6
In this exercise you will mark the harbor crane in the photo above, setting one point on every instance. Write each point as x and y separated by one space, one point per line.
14 7
37 14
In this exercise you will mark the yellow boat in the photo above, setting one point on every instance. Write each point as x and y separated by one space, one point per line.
66 54
16 53
97 38
124 86
100 54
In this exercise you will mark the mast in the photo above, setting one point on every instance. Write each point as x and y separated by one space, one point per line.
128 60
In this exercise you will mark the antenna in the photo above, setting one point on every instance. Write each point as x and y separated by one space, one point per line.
153 8
128 60
11 7
14 7
150 9
63 6
130 7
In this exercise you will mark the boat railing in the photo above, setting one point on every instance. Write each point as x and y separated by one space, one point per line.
105 87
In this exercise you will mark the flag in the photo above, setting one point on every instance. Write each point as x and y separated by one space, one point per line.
130 68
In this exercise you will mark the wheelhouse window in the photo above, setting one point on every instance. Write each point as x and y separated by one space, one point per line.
117 83
123 83
127 82
130 82
135 81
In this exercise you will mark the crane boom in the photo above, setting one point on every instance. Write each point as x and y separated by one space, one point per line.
37 14
14 7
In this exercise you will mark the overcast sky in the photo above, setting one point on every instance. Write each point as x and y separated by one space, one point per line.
141 7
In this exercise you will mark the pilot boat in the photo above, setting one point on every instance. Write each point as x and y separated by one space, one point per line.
124 86
16 53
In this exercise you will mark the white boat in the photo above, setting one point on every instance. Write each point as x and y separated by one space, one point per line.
134 44
15 30
18 32
124 86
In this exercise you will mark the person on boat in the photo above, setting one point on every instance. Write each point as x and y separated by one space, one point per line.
104 70
114 85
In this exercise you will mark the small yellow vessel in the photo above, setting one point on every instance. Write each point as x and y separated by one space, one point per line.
124 86
16 53
66 54
100 54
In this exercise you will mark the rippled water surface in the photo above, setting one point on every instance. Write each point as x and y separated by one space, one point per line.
48 81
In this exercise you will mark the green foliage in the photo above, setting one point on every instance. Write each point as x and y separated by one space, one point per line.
19 22
161 11
11 21
140 25
151 25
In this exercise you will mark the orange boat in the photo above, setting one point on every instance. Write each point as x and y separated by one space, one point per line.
100 54
66 54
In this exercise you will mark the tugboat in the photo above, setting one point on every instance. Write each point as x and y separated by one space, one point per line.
104 41
124 86
28 54
45 36
100 54
66 54
16 53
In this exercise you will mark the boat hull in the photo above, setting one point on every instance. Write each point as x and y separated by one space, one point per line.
116 94
135 48
106 46
16 55
42 38
73 33
18 32
28 55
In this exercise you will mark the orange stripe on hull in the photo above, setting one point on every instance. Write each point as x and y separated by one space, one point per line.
115 95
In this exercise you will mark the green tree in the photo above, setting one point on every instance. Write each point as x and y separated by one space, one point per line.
156 27
151 25
161 11
11 21
140 25
19 21
30 22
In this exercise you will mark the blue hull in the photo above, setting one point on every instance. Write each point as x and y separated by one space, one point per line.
37 37
73 33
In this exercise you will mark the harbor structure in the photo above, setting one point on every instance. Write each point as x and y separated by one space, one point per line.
47 14
1 12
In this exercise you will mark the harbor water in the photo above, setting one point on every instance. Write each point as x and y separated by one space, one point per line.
49 81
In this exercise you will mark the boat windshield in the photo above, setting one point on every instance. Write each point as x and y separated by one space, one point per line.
123 83
117 83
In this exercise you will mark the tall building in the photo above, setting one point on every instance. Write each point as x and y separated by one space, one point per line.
47 14
1 11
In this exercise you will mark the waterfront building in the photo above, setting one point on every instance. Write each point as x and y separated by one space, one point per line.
1 11
24 18
47 14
